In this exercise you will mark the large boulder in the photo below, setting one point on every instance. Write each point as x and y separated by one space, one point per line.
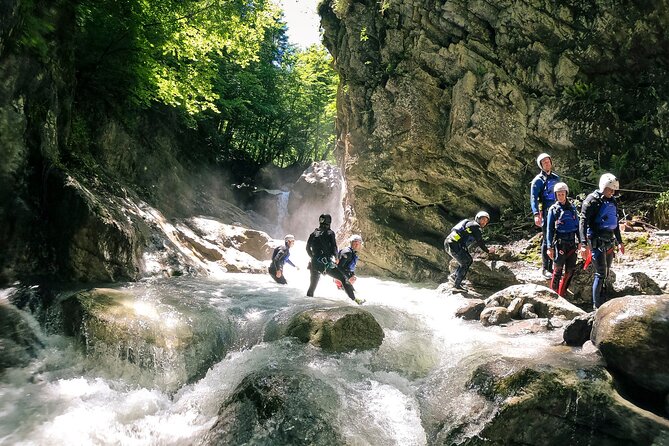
632 333
546 302
470 310
174 347
340 329
270 407
18 341
544 405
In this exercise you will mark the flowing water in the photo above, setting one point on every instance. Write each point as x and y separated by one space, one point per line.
390 396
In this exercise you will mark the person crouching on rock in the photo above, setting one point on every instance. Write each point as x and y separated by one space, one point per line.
463 235
348 258
563 242
322 249
280 256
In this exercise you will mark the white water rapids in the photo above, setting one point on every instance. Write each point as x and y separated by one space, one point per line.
386 397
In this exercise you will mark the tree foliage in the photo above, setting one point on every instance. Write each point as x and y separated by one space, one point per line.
225 65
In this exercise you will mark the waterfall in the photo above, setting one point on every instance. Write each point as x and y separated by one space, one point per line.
282 212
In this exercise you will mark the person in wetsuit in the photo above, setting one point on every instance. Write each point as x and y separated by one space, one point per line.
563 240
280 256
348 258
542 197
322 249
599 228
463 235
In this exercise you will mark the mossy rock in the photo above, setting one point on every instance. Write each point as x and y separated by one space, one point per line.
272 407
149 335
541 404
340 329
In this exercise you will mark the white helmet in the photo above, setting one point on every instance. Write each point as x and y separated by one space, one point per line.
561 186
289 237
608 180
541 158
355 238
480 215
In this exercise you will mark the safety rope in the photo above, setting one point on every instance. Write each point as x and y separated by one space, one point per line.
624 190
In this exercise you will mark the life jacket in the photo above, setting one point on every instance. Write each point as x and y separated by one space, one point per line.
350 266
607 217
566 221
461 234
548 193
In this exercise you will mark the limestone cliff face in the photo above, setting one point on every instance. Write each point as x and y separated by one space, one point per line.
443 106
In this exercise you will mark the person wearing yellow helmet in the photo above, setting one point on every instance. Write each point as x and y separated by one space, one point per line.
599 228
542 197
563 241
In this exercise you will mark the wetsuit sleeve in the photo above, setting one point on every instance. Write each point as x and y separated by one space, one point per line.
333 240
535 191
290 263
277 259
587 214
550 227
310 243
478 236
616 231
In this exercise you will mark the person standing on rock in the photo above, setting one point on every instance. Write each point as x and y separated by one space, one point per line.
348 258
462 236
563 241
322 249
280 256
542 197
599 228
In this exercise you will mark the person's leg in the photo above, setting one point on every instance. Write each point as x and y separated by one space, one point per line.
601 269
546 263
558 266
464 260
338 275
314 277
570 267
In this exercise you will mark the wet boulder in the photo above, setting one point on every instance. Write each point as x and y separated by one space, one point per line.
546 302
278 407
494 316
175 345
577 332
19 343
631 333
577 404
471 310
489 274
340 329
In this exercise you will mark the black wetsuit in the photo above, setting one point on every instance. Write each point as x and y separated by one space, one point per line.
280 256
599 226
322 248
348 258
462 236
